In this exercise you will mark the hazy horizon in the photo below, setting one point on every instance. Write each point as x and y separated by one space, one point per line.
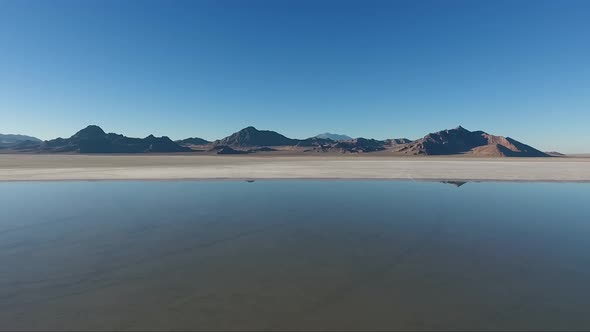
374 69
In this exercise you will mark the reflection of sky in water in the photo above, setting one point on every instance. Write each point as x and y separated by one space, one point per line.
294 254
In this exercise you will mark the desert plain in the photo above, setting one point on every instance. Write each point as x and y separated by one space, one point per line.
58 167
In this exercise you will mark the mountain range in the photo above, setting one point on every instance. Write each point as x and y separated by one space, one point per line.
457 141
93 139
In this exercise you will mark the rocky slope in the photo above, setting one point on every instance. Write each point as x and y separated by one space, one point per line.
397 141
251 136
463 141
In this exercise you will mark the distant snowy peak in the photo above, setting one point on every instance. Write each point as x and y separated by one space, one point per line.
334 137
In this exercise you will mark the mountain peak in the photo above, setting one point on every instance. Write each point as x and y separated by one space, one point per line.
462 141
193 141
91 131
460 128
93 139
251 136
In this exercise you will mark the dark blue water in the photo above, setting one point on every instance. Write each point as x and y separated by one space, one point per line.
294 255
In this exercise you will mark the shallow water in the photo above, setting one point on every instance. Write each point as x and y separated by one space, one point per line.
294 255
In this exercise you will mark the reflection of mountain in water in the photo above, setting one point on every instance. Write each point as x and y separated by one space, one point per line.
455 183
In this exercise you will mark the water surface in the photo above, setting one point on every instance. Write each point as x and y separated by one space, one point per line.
294 255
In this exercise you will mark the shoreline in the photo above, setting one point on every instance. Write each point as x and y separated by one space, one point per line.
23 168
445 181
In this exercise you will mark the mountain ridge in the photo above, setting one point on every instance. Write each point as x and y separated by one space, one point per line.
93 139
462 141
459 140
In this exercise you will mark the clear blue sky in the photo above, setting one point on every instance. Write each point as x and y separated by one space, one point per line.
378 69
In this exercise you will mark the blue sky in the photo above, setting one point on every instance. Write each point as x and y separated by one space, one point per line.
378 69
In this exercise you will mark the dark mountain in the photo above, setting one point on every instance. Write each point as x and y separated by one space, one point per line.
193 141
462 141
334 137
90 132
93 139
251 136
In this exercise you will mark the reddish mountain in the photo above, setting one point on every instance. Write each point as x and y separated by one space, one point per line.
463 141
